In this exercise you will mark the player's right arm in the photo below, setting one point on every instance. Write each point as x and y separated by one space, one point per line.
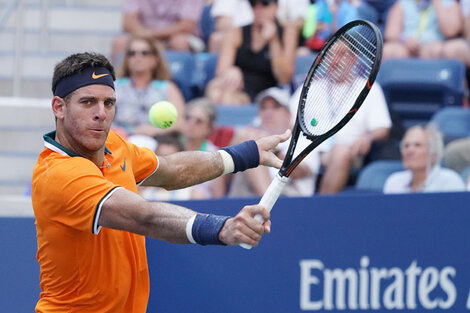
126 210
189 168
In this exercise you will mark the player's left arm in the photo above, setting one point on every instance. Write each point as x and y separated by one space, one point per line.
189 168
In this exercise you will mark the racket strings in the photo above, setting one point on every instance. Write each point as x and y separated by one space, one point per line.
338 80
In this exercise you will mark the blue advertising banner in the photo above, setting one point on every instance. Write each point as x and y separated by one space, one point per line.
361 253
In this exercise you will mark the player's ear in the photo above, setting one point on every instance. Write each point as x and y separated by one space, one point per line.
58 107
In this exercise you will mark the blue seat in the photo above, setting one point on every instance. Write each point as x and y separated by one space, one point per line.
205 65
302 66
453 122
206 24
182 66
415 88
236 115
465 173
373 176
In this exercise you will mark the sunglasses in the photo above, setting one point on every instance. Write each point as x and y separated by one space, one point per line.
198 120
263 2
144 53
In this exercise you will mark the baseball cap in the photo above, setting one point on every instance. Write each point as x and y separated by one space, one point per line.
280 95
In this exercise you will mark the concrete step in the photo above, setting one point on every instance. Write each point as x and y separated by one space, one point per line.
13 202
16 170
67 18
22 141
25 112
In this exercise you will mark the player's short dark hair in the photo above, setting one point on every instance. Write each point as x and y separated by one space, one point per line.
77 62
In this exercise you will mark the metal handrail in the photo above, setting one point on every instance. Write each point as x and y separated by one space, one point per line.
11 5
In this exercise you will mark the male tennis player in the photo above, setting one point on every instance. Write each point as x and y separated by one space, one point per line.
90 221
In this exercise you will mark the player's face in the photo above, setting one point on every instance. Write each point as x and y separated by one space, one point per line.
415 149
86 118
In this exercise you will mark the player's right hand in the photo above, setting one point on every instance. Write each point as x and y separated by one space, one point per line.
244 228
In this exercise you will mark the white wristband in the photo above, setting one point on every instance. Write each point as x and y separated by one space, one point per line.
189 229
229 166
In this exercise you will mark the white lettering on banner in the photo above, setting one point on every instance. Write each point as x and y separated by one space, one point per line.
366 288
468 301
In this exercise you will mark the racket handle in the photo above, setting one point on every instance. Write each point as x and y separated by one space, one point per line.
269 198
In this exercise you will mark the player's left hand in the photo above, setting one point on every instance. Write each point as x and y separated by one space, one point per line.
244 228
267 148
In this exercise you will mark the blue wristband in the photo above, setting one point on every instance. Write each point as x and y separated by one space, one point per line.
245 155
206 228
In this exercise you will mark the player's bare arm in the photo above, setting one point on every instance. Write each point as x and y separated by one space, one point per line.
189 168
126 210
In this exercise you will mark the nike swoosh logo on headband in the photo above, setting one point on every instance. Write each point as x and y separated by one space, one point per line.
94 76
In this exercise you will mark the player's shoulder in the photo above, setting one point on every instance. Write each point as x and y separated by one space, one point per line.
59 164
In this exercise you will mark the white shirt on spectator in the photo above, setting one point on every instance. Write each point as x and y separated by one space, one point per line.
241 11
439 180
372 115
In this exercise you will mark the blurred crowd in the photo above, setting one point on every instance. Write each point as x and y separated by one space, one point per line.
257 43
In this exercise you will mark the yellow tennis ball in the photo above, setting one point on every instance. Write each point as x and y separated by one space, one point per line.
163 114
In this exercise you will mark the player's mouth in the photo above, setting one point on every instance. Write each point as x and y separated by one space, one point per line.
97 130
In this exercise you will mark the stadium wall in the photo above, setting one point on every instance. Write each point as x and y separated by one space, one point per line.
367 253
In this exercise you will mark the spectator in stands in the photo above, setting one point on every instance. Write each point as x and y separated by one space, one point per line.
199 124
274 115
255 57
425 29
465 6
238 13
347 149
330 16
144 79
421 151
174 23
169 144
457 154
375 11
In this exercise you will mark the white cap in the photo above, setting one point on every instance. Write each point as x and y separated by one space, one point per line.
280 95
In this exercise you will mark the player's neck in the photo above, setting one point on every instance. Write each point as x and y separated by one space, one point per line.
97 157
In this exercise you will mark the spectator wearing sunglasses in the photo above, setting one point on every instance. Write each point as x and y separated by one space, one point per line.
254 57
144 78
199 125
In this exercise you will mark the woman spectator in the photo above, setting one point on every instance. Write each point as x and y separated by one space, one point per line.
198 126
144 78
255 57
426 29
421 151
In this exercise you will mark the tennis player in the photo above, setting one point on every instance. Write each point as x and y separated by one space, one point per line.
91 223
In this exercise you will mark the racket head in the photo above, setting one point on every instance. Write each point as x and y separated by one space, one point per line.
336 85
339 80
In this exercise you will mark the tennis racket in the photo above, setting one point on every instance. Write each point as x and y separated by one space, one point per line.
335 88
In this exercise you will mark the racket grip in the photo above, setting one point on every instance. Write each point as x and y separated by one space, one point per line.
269 199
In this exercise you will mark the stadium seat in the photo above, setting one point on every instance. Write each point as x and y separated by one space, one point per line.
206 24
373 176
453 122
464 174
182 66
415 88
205 64
236 115
302 66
